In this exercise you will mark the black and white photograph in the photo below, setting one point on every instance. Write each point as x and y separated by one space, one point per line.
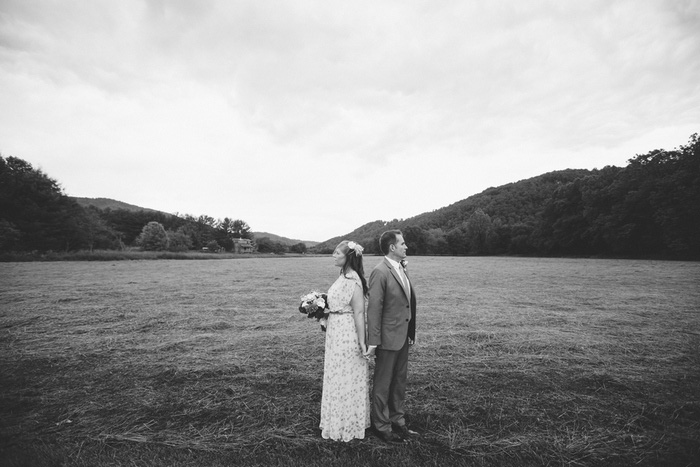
325 233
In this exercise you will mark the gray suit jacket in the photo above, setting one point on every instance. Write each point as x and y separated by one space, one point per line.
391 316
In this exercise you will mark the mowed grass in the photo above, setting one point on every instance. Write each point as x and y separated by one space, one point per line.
517 362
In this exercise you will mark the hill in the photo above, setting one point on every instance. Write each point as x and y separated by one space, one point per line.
514 204
284 240
106 203
650 209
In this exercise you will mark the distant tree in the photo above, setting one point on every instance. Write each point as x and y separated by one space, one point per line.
437 243
320 250
518 238
667 187
479 232
229 229
296 248
225 242
457 241
178 240
9 236
96 232
153 237
37 214
563 223
207 220
129 223
214 246
266 245
199 232
416 239
241 229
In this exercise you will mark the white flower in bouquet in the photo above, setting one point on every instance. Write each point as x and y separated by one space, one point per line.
315 305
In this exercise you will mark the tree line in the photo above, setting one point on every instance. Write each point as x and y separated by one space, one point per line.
648 209
36 215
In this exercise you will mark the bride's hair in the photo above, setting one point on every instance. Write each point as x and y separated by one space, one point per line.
353 261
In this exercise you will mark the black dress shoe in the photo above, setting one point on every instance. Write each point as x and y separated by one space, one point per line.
403 431
389 436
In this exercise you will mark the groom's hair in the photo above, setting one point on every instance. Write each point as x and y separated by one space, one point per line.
388 238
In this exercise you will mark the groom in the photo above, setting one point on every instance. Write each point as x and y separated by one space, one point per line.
391 328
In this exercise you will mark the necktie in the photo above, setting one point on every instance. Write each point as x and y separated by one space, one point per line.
404 279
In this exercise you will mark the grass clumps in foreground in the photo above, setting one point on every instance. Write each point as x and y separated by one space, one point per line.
209 363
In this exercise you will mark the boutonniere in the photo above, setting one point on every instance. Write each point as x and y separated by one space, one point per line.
404 263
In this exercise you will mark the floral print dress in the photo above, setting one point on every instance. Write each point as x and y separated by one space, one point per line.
345 404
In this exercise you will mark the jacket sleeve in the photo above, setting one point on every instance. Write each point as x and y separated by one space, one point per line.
375 307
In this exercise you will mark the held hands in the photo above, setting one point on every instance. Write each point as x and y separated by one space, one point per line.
368 351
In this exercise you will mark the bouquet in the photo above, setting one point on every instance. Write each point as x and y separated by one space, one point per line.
315 305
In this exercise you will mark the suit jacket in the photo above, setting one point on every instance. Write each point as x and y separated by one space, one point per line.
391 316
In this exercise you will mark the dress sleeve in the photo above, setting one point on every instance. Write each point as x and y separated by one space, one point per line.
356 279
347 289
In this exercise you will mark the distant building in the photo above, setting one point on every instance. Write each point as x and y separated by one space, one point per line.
242 245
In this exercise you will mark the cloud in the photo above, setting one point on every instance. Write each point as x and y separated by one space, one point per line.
270 110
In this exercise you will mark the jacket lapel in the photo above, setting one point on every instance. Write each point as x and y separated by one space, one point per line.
396 276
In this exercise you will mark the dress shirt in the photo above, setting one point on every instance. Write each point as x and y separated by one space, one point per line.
397 267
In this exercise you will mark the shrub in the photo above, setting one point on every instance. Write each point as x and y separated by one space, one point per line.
153 237
178 241
213 246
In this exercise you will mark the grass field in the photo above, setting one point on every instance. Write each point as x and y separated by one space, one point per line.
208 363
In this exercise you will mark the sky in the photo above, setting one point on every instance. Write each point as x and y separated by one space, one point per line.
308 119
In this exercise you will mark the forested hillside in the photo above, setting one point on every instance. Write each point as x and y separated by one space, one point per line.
284 240
35 215
107 203
268 242
650 208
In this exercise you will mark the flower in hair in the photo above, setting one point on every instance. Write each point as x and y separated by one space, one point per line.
356 247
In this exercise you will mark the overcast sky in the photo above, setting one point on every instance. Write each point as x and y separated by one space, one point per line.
308 119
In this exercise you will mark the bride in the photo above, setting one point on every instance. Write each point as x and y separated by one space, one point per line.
345 406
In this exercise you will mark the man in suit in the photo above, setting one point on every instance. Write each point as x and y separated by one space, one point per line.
391 328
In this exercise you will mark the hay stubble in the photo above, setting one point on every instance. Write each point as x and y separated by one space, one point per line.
518 362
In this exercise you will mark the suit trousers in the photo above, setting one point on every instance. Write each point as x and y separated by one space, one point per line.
389 388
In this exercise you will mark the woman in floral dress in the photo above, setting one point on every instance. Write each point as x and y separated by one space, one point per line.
345 407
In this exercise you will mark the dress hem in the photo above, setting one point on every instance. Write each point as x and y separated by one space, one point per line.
342 438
